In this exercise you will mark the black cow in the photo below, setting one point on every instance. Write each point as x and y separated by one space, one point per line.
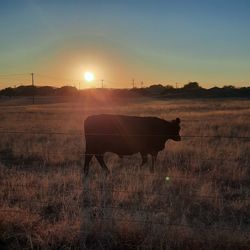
126 135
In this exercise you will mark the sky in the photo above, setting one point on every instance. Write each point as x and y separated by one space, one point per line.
150 41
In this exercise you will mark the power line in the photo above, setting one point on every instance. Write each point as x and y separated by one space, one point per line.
77 133
56 77
10 75
194 157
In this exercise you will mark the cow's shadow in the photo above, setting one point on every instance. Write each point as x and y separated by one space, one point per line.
117 163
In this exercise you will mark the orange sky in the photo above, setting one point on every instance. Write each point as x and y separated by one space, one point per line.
157 43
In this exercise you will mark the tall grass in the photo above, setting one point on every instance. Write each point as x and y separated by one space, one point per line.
203 203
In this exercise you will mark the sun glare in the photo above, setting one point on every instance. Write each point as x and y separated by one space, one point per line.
89 76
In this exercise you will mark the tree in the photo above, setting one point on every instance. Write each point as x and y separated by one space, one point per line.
169 87
228 87
192 85
8 92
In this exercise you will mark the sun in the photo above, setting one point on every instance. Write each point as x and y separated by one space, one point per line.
89 76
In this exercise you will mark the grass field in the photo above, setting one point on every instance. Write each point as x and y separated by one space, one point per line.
203 203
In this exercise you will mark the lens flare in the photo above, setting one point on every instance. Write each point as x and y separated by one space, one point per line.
167 178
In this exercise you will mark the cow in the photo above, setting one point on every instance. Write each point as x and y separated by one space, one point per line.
127 135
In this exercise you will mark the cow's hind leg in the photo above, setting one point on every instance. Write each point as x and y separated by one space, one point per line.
102 163
144 159
86 164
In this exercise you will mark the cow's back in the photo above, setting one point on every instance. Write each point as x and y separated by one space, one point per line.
123 134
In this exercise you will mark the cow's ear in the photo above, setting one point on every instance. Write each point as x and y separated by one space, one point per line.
178 120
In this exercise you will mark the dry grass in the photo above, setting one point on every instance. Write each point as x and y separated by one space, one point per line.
204 204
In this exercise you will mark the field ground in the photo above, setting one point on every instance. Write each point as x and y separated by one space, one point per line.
204 203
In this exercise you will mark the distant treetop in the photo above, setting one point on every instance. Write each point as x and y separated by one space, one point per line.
192 85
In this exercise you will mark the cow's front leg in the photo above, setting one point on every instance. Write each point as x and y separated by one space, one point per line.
87 160
154 156
102 163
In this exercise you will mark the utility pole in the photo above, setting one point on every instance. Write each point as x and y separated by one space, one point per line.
142 84
33 87
102 83
79 86
133 83
176 85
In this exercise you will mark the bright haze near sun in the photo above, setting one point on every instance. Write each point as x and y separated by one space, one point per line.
89 76
157 42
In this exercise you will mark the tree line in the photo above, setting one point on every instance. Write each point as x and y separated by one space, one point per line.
189 90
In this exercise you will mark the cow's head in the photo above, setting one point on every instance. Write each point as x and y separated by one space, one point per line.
175 130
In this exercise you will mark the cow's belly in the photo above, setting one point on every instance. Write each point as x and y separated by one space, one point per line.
123 149
122 145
